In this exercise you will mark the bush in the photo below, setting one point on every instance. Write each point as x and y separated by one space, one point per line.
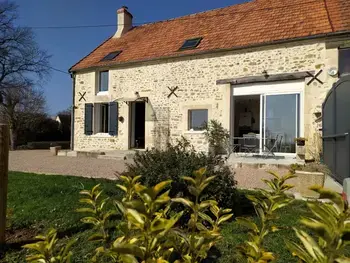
181 160
46 145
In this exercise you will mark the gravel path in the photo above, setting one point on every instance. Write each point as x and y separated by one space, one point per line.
43 162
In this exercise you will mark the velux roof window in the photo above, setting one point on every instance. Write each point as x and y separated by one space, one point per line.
191 43
111 56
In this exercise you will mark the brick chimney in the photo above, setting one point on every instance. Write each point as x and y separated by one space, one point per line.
124 20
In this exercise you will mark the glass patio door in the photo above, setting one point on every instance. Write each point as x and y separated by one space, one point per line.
280 114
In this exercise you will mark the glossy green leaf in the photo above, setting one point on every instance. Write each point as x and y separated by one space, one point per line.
159 187
134 216
122 187
129 250
247 223
183 201
224 218
86 210
206 217
96 237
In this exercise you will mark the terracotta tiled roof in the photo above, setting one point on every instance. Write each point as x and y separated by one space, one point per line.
247 24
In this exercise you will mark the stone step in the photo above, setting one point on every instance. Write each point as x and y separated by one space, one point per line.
108 157
128 154
117 155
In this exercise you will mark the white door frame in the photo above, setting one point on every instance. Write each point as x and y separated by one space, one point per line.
274 88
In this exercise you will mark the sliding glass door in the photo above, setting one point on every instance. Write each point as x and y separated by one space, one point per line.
280 122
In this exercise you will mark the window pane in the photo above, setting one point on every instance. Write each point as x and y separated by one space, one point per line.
197 119
104 118
111 56
281 120
344 61
103 81
191 43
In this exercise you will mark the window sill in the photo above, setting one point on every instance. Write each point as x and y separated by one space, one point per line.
102 93
194 132
101 135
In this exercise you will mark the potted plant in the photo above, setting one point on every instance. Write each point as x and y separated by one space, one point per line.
300 141
217 137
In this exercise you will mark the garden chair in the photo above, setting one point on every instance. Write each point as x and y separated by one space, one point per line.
271 149
249 145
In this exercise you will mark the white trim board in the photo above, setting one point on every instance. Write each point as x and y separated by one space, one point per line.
283 87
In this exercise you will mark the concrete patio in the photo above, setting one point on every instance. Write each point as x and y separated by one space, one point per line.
237 160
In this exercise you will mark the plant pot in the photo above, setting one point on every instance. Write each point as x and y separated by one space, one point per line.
300 150
54 150
300 143
305 180
218 150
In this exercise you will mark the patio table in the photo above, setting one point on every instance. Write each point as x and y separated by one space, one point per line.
238 142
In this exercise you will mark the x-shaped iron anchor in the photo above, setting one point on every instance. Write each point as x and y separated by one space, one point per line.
314 77
82 96
173 92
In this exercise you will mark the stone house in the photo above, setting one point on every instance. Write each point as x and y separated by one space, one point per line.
261 67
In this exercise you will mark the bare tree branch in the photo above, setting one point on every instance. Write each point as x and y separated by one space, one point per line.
20 55
20 103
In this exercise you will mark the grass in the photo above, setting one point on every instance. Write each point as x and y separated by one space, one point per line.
43 201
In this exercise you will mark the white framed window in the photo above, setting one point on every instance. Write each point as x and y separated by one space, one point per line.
197 119
281 113
103 81
344 61
101 118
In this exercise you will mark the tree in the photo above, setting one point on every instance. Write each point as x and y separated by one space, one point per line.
23 106
66 112
21 59
65 123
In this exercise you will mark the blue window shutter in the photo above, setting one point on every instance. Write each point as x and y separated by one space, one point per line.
113 119
88 118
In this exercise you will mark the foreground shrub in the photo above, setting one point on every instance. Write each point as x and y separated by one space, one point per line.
266 204
330 227
195 243
149 230
47 250
181 160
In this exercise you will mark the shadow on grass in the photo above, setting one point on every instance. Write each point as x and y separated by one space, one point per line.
20 237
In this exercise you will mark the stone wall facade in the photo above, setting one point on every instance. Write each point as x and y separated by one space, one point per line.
196 77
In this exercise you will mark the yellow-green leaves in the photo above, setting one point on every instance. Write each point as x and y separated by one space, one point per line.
97 215
130 186
206 217
135 218
266 203
184 201
159 187
248 224
149 229
146 223
47 251
330 229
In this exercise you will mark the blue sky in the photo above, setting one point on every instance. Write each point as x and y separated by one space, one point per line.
67 46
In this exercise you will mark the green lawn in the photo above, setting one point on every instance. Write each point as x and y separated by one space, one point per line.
43 201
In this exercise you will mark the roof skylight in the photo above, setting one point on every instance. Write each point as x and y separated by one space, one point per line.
191 43
111 56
